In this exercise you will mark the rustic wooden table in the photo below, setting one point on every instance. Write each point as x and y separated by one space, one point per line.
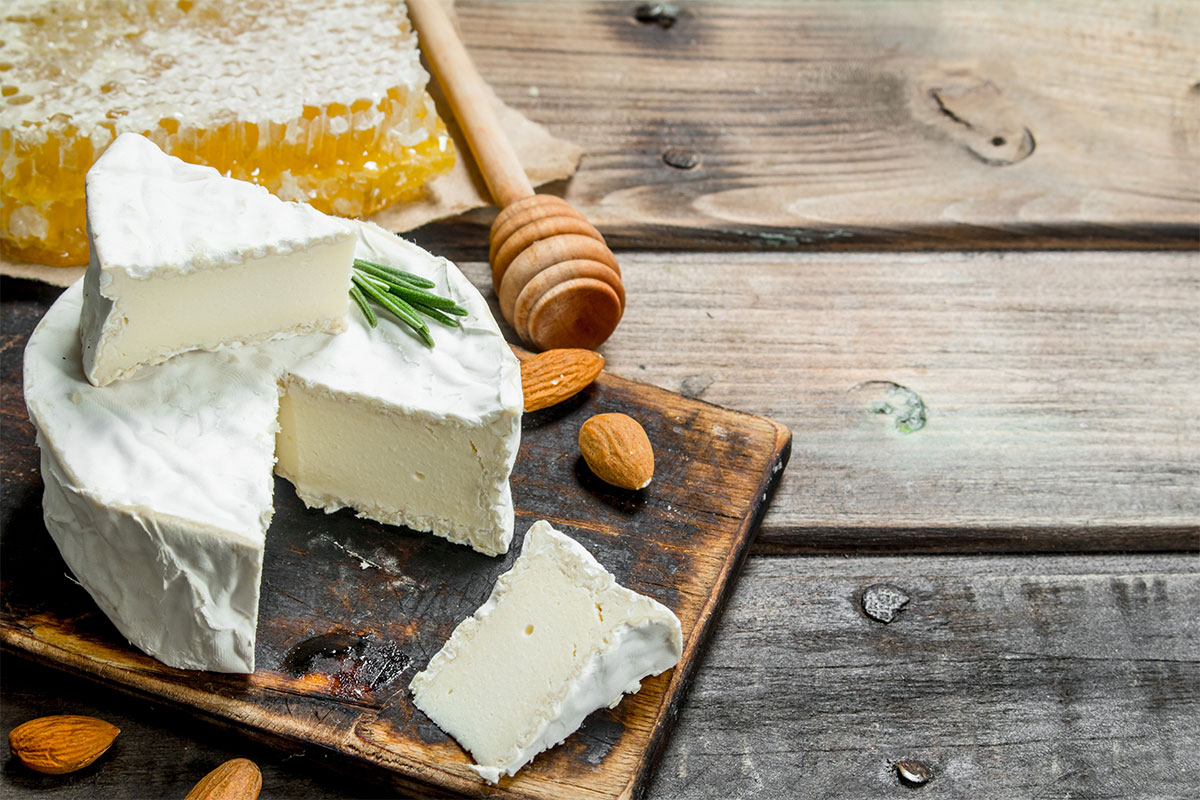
954 248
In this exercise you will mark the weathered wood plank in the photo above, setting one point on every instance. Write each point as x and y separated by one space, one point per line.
1010 677
1059 390
852 124
1041 676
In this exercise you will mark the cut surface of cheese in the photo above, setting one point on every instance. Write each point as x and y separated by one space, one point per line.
183 258
401 444
557 639
159 487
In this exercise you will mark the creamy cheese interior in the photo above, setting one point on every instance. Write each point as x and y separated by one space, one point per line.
422 471
557 639
148 320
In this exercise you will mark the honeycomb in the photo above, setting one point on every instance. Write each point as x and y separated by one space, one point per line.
321 101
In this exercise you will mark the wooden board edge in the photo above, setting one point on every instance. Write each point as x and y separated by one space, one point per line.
447 238
984 539
681 681
14 643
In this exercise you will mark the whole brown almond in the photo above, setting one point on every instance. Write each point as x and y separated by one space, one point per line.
618 450
238 779
60 744
554 375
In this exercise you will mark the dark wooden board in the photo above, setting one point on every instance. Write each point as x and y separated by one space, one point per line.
394 596
838 124
1010 676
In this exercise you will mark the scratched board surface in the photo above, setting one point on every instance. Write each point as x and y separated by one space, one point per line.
352 609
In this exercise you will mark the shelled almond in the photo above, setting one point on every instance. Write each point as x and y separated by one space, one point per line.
237 779
60 744
552 376
618 451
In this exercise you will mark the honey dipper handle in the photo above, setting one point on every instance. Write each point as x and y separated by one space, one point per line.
470 101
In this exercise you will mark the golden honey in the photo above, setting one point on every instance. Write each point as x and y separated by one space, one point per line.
320 101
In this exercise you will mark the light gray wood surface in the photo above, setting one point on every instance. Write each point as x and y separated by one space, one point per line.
1009 677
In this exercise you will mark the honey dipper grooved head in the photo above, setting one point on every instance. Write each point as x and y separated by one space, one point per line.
558 283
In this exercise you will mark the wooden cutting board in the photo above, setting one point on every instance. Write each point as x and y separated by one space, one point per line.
352 609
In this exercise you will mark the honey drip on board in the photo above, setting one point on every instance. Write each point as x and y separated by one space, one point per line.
320 101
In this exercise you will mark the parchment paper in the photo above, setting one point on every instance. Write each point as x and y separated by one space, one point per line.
546 158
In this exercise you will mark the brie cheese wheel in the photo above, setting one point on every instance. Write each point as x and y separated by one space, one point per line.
158 487
557 639
183 258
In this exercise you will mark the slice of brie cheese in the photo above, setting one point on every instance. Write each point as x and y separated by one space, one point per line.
428 446
158 487
557 639
183 258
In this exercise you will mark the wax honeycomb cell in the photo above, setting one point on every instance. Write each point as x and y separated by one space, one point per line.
321 101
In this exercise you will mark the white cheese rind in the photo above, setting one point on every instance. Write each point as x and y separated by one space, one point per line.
183 258
557 639
183 593
158 487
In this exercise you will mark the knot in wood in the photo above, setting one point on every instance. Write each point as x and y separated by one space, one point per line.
882 602
902 405
913 773
661 14
681 159
978 115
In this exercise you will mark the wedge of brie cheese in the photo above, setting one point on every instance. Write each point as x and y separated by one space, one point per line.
404 435
183 258
557 639
158 487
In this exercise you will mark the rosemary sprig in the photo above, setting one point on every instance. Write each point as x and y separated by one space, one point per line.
380 271
434 314
361 300
403 295
403 310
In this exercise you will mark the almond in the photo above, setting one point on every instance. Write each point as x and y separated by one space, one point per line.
60 744
554 375
239 779
618 450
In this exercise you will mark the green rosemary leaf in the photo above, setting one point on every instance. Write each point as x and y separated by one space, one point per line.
403 294
380 271
435 314
378 283
426 336
408 309
361 300
406 315
423 297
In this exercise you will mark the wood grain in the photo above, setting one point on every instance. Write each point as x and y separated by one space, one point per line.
1059 390
856 124
1038 676
351 609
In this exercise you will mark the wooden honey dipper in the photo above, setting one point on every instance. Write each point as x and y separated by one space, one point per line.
558 282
